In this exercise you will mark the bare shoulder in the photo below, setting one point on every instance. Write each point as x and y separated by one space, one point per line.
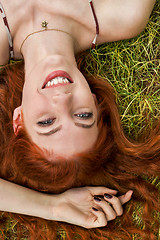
122 19
4 46
15 11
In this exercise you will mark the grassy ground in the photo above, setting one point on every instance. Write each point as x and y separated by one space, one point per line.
133 68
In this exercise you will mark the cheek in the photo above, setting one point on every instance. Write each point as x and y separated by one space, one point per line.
83 93
31 97
34 106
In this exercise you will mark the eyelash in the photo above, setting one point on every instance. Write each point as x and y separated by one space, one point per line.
85 115
48 122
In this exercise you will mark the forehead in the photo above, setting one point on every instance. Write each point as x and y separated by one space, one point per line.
68 141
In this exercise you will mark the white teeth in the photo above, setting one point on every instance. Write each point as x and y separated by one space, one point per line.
60 80
56 81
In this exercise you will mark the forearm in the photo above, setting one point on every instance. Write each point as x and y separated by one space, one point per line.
74 206
17 199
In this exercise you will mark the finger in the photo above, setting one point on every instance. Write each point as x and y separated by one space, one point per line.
100 220
126 197
107 209
101 190
115 202
118 202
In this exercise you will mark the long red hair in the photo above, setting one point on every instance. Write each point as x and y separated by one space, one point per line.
115 162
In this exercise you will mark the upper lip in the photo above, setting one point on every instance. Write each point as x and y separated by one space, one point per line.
58 73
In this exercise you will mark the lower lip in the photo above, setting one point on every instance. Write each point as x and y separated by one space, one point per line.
55 74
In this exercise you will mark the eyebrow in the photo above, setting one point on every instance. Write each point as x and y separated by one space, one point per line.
51 132
60 127
85 125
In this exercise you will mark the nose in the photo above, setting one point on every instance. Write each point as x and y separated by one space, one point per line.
62 98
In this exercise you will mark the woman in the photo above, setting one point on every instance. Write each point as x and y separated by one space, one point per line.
31 181
120 168
48 65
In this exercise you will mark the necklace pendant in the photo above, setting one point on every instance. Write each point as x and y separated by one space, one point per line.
44 24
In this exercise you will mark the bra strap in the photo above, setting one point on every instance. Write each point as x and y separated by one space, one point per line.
96 22
8 31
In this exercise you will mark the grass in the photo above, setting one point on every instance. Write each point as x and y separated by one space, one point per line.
133 69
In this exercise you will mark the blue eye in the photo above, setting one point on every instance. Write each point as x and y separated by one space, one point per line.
46 122
84 115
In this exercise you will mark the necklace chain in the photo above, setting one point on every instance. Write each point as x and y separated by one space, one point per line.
44 25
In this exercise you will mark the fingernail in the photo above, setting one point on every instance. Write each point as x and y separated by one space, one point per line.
130 192
99 196
97 199
95 209
108 195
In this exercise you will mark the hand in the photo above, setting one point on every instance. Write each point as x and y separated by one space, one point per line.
81 207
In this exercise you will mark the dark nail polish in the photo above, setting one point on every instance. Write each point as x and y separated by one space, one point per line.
108 195
95 209
97 199
99 196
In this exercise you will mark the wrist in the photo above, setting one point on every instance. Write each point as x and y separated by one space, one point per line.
51 207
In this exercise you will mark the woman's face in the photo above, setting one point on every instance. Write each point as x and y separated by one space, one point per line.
59 115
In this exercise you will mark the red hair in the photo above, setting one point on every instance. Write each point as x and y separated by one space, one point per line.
115 162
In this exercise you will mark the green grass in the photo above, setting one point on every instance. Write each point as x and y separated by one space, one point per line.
133 69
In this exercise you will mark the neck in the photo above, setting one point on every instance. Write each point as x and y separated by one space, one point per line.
48 43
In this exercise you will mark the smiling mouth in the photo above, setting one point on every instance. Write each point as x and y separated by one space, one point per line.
57 78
